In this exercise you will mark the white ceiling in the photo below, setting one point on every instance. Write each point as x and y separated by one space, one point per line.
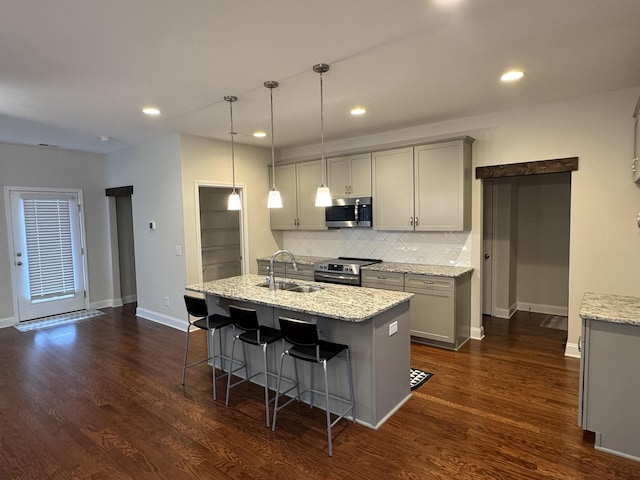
71 71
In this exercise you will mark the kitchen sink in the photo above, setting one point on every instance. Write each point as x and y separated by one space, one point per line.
305 288
293 287
280 285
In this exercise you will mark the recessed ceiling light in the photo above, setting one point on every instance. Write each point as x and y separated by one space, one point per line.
151 111
512 75
259 134
358 111
104 138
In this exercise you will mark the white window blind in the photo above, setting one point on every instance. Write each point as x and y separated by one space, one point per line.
49 248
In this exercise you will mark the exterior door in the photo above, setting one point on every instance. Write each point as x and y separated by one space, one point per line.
48 270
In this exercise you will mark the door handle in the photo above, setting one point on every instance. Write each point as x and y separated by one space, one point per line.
486 255
19 264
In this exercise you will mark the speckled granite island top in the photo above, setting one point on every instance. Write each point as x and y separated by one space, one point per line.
418 269
611 308
351 304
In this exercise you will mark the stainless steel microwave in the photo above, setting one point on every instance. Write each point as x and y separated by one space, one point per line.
349 213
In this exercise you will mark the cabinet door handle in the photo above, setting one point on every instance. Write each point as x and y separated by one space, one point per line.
411 221
416 221
428 282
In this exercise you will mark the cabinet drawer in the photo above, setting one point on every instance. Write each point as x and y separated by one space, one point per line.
428 283
385 280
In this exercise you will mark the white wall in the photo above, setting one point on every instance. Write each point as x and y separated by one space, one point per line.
605 239
30 166
209 161
154 170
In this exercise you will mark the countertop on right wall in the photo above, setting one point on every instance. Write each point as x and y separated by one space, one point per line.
610 308
419 269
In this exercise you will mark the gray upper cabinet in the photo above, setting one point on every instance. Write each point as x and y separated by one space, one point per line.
423 188
350 176
442 186
297 183
393 189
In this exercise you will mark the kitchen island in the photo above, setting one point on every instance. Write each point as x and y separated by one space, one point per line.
374 323
609 378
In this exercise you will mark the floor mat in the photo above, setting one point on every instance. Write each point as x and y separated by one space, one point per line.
418 377
555 321
55 320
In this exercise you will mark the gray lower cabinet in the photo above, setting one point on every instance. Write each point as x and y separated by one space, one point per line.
610 386
383 280
440 309
284 269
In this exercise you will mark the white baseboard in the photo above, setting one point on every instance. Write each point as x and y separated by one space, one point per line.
541 308
129 299
103 304
502 313
477 333
172 322
7 322
572 350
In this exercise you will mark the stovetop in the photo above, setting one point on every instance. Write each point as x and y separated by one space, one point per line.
344 265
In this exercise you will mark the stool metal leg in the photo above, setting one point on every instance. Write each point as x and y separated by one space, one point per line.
266 382
275 404
233 346
326 406
186 351
350 375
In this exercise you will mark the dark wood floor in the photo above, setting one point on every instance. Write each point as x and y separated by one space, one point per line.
102 399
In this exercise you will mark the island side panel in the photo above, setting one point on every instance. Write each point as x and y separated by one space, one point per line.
392 355
613 388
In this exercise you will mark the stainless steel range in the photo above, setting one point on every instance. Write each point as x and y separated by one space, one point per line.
342 270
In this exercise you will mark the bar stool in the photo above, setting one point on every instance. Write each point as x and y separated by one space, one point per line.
309 348
252 333
197 310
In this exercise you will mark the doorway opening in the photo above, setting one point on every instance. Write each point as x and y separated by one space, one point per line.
124 268
526 228
220 240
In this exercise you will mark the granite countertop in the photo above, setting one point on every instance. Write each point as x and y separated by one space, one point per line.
393 267
300 259
418 269
610 308
351 304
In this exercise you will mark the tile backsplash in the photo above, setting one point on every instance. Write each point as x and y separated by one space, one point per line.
429 248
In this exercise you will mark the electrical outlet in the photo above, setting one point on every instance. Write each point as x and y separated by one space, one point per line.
393 328
178 250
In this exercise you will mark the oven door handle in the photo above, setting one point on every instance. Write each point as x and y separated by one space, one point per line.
333 276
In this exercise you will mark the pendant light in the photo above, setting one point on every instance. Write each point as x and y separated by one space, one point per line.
234 199
274 201
323 195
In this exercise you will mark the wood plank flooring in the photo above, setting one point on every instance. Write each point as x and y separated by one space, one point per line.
102 399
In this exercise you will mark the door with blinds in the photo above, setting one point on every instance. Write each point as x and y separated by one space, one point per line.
47 252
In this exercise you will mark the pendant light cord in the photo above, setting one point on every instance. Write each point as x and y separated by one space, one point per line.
273 149
324 163
233 157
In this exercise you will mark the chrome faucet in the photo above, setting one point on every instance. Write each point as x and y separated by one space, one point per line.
270 280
